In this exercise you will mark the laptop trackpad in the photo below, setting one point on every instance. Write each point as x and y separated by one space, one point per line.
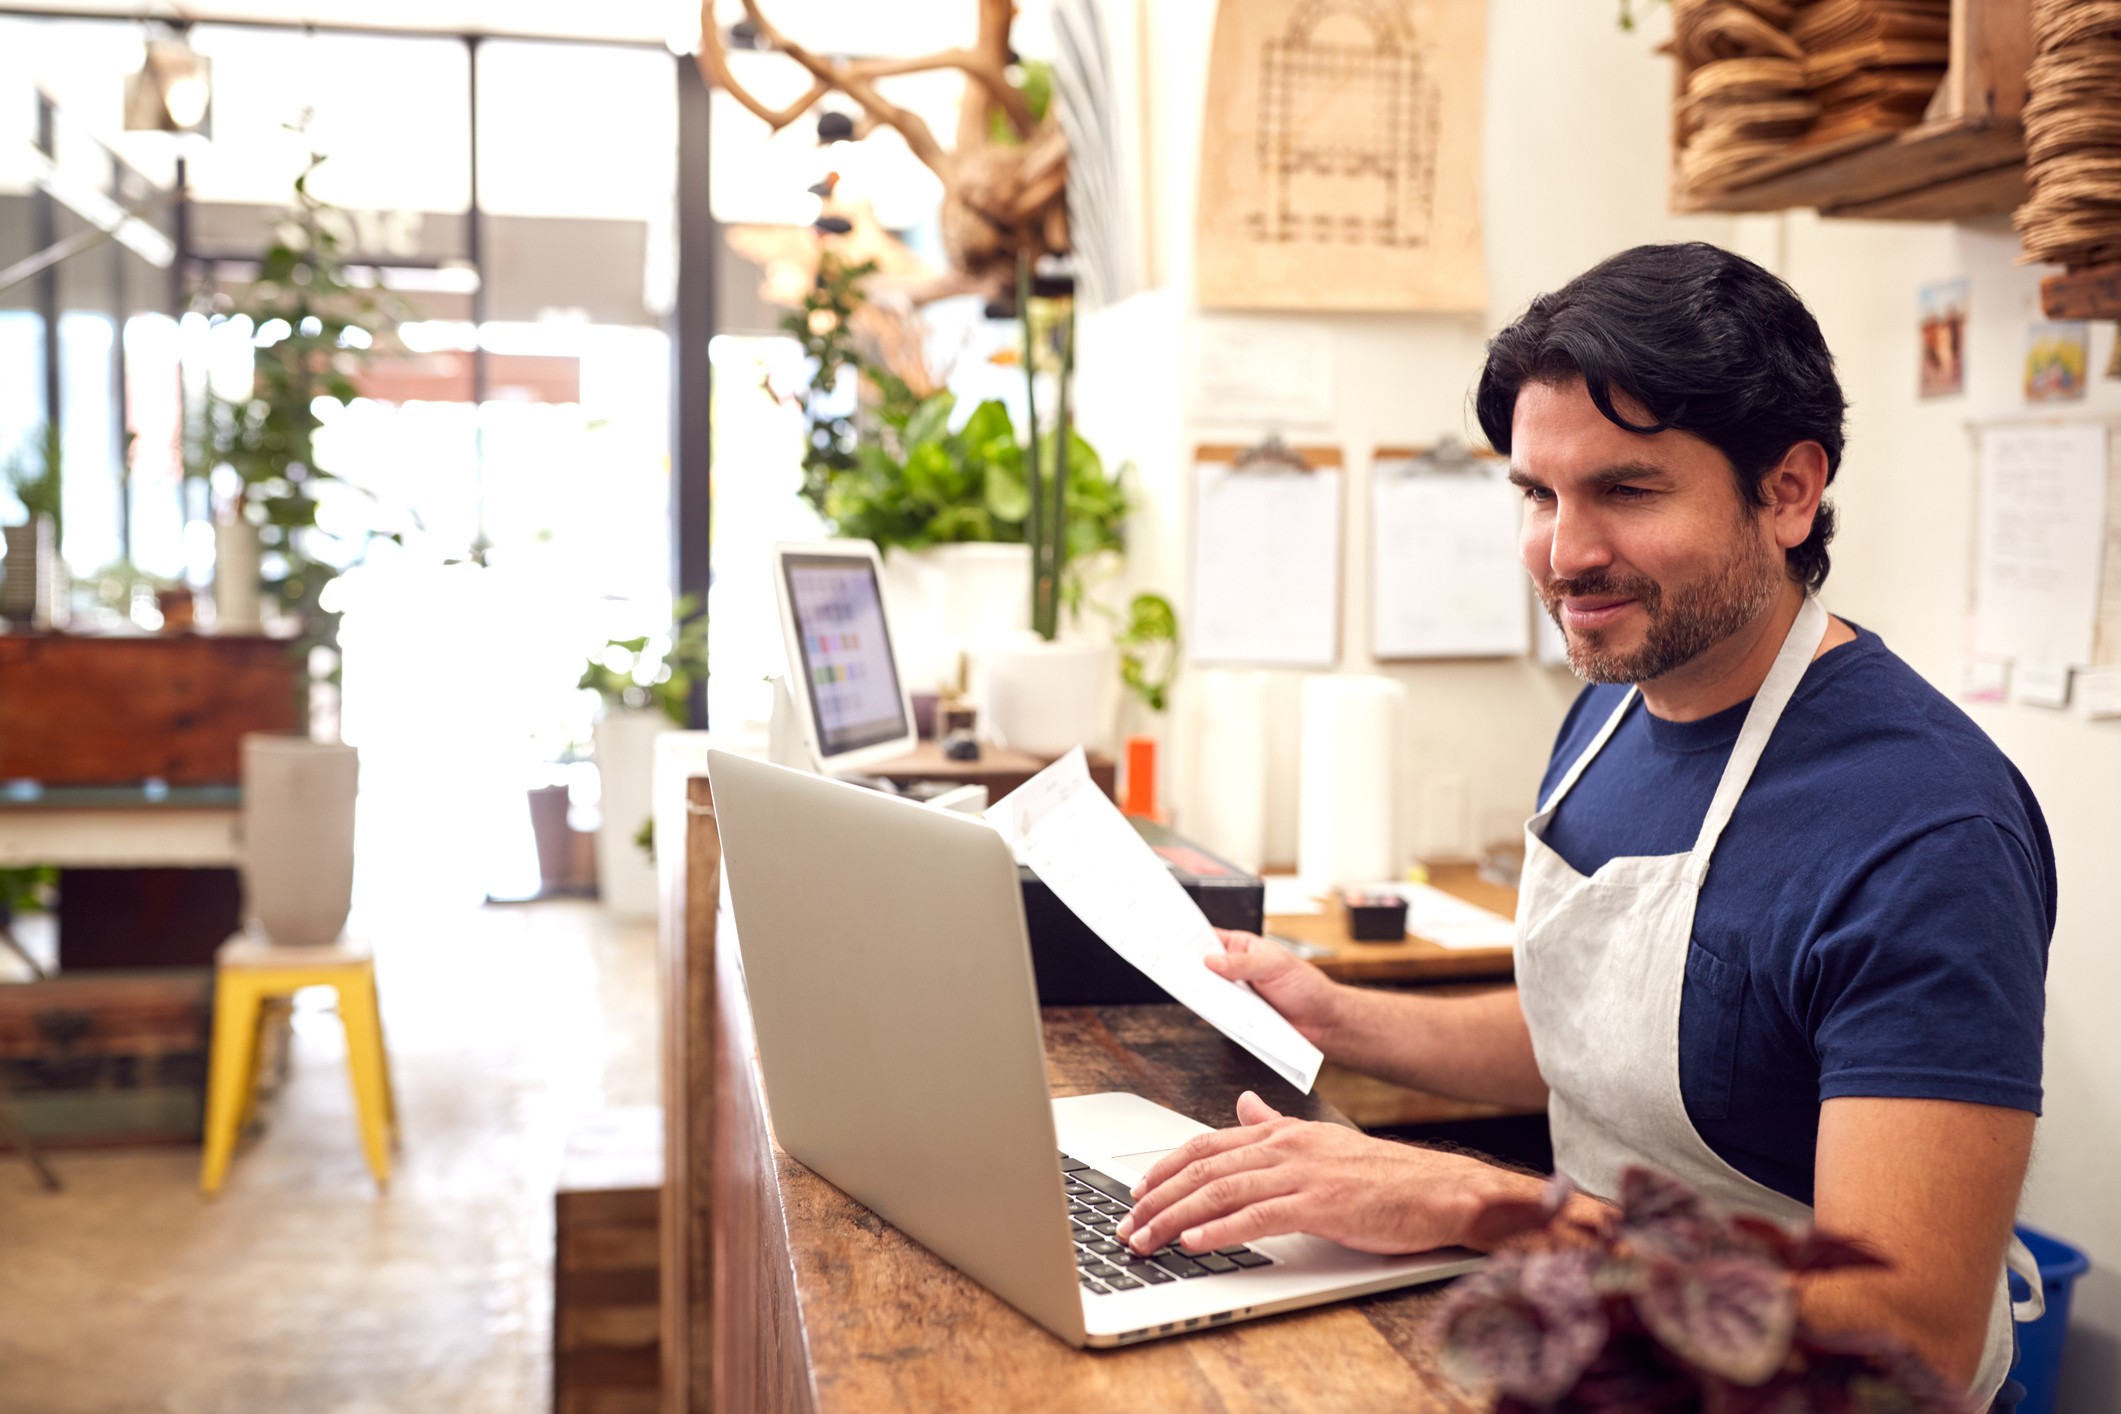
1141 1163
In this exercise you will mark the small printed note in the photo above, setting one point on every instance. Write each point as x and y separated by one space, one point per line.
2043 685
2102 692
1288 896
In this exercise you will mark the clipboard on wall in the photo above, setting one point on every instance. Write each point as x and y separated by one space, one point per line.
1445 577
1265 575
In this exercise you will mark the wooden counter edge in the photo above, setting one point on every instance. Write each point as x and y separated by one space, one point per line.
688 868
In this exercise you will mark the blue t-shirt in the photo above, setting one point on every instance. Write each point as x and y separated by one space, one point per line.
1876 915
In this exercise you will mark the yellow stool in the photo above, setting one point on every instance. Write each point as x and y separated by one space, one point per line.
250 973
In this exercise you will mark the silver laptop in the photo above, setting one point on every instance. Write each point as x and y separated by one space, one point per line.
898 1030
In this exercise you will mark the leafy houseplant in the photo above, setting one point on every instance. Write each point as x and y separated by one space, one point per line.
24 889
1666 1304
887 466
646 685
33 471
652 671
35 586
312 330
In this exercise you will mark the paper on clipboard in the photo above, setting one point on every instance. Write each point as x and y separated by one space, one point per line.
1061 825
1266 564
1444 564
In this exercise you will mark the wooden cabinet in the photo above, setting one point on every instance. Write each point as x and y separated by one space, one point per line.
90 711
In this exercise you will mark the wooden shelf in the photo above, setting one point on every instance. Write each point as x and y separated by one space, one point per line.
2091 293
1965 159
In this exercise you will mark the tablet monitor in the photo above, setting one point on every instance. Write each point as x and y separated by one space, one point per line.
843 679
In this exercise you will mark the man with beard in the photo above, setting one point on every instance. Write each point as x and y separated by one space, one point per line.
1785 910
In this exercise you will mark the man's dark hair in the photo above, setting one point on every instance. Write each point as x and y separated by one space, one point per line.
1706 342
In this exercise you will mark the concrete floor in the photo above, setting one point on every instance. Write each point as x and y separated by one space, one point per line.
303 1289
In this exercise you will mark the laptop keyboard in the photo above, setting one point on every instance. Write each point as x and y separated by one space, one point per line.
1096 1203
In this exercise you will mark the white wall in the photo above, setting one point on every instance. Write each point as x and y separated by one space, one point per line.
1577 125
1559 194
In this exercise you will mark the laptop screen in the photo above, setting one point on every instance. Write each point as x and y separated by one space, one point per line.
847 665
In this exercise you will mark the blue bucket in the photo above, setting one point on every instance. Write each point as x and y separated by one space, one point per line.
2039 1364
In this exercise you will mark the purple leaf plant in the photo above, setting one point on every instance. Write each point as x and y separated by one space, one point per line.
1666 1304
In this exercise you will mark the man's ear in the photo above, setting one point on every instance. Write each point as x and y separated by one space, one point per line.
1794 488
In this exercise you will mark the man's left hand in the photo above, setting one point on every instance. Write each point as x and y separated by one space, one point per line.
1273 1175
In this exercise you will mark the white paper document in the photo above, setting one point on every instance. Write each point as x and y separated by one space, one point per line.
1062 826
1449 921
2042 527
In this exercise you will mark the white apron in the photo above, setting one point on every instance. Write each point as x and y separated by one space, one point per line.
1601 963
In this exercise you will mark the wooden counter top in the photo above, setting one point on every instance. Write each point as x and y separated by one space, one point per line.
886 1326
1412 960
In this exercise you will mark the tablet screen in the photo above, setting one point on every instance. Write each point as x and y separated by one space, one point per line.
847 665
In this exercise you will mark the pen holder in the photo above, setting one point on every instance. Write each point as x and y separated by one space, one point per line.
1376 918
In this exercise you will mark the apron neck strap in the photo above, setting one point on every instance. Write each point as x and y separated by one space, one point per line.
1798 649
1583 758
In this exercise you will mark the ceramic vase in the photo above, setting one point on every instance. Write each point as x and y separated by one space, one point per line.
1044 698
625 754
237 606
298 837
31 578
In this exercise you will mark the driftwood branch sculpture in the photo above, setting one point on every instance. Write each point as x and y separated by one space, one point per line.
1000 199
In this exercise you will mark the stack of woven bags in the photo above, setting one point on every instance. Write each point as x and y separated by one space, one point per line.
1762 74
2073 134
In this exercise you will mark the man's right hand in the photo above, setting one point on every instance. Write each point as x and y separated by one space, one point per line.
1308 998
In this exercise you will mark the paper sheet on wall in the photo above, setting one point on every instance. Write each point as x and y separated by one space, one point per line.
2041 533
2041 685
2106 649
1266 566
1443 559
1260 373
1064 828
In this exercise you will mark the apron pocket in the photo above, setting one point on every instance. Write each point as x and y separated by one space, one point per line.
1709 1008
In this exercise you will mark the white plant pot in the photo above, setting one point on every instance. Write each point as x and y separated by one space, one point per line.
625 754
298 837
951 599
1044 698
237 605
986 594
32 580
912 598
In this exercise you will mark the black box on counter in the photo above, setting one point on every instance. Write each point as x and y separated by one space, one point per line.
1073 965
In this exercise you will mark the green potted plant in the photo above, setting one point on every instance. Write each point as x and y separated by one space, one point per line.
644 685
34 588
311 329
1042 691
891 457
24 889
972 518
